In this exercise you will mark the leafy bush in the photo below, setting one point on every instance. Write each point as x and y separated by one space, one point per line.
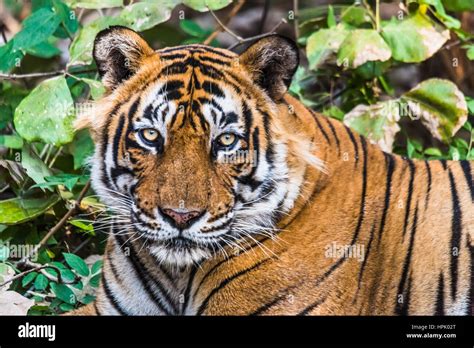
50 222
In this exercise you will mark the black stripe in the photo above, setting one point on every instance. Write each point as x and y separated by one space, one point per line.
390 163
354 142
439 309
226 281
339 262
466 168
456 234
111 297
321 129
268 305
364 262
312 306
96 308
192 274
214 60
443 163
364 191
143 277
428 188
225 260
402 308
333 131
411 167
470 247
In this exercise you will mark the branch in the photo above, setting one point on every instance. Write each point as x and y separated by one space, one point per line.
42 74
37 268
58 226
241 41
232 13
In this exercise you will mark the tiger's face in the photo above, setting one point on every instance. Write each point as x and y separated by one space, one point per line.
185 150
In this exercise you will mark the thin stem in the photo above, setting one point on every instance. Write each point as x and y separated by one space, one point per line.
232 13
224 27
44 74
295 21
58 226
256 37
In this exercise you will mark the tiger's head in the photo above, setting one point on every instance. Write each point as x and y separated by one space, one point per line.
190 148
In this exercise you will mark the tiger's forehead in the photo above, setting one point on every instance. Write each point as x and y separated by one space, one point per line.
194 86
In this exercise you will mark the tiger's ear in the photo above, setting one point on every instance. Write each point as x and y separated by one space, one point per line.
271 62
118 52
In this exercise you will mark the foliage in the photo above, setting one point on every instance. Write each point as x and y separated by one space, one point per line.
43 160
352 50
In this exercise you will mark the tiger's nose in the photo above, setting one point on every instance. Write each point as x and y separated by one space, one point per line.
182 217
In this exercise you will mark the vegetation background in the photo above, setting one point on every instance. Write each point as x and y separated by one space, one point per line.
399 72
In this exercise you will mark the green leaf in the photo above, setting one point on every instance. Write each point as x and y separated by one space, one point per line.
323 44
66 307
44 50
41 282
77 264
11 141
81 148
190 27
94 4
80 51
145 15
28 278
433 151
85 227
377 122
361 46
203 5
68 17
88 299
65 179
96 87
96 267
459 5
18 210
415 39
469 51
449 21
66 275
4 252
95 281
37 28
34 166
9 56
440 105
47 113
64 293
331 17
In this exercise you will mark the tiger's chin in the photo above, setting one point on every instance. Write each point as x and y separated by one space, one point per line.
180 252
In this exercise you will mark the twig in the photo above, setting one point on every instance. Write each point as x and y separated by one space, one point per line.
232 13
266 7
295 20
256 37
43 74
58 226
224 27
22 274
31 75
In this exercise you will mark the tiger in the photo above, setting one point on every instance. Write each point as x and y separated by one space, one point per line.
230 197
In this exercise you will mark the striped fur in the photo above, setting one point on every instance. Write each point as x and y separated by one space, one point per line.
261 248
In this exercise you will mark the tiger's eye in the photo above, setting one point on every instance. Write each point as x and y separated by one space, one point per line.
149 134
227 139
